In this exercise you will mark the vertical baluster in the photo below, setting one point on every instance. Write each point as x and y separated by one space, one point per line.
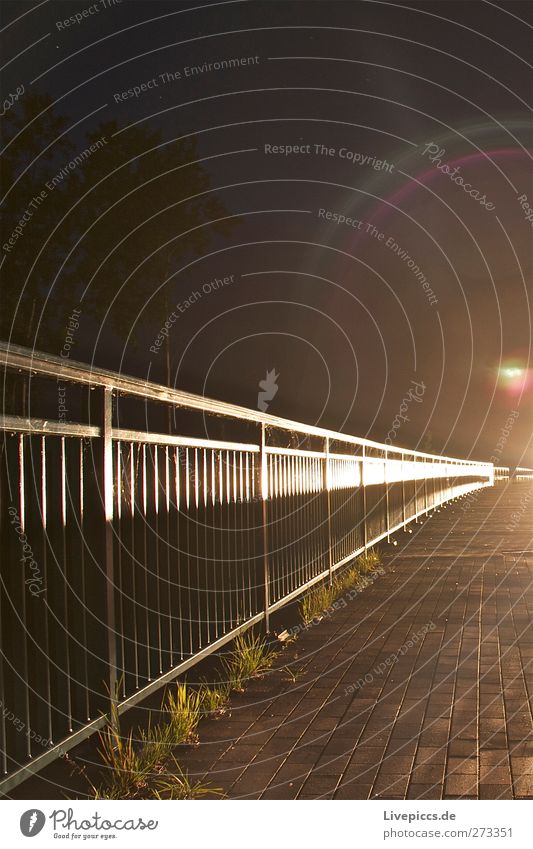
365 508
213 559
404 517
23 612
44 524
107 440
189 576
157 578
206 520
179 556
134 564
223 537
144 566
66 582
170 641
327 476
249 515
120 581
386 479
231 541
265 496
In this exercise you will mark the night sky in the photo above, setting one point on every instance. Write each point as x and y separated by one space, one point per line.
340 192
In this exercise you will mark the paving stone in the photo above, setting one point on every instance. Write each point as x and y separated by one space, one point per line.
353 790
393 784
495 791
463 766
427 774
460 785
494 775
523 786
424 791
521 766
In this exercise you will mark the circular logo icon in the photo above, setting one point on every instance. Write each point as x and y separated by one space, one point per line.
32 822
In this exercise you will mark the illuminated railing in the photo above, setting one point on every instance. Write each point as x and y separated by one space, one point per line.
522 473
154 525
501 473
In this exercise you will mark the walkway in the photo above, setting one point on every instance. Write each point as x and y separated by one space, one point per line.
449 717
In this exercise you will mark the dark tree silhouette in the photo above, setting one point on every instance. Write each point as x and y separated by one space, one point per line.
124 211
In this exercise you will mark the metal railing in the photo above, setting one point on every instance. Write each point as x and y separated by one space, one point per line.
522 473
135 542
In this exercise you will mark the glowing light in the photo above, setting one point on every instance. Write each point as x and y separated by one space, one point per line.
514 376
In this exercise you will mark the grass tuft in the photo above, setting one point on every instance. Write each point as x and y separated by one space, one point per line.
213 700
318 600
178 785
140 769
128 767
156 742
125 770
315 602
250 658
368 561
183 709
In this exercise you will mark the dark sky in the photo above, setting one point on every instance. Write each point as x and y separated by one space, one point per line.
386 106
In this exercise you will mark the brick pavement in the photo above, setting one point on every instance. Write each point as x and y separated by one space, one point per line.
446 716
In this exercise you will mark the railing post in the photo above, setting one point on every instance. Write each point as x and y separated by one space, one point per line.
108 499
363 484
264 501
426 485
328 507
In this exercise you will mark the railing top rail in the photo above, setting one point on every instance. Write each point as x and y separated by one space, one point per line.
49 365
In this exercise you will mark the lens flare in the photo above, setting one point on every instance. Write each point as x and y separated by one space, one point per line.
514 377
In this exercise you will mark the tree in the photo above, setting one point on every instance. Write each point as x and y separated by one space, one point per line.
115 205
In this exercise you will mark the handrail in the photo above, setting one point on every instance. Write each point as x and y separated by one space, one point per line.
49 365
